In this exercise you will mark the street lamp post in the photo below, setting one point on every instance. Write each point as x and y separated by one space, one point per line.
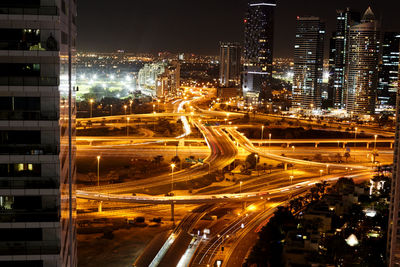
262 133
91 107
172 177
130 106
125 107
257 164
269 143
376 136
355 144
111 110
355 136
154 117
240 187
98 170
320 173
127 126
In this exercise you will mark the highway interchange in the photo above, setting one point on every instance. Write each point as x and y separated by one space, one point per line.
256 198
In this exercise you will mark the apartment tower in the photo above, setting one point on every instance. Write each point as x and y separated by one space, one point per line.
37 118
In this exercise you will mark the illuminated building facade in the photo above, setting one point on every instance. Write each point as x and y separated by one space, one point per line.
393 242
258 50
388 72
362 66
37 153
308 63
230 64
344 20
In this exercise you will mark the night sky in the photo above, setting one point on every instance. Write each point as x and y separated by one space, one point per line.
197 26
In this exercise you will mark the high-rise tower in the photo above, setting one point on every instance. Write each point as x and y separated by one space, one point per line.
230 64
308 63
37 147
388 71
362 66
345 19
258 49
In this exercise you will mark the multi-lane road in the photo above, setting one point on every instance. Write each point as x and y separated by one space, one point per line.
223 151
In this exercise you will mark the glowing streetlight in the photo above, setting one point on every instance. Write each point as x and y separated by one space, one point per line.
376 136
130 106
293 148
125 107
269 143
240 187
320 172
91 107
172 176
111 110
291 179
98 170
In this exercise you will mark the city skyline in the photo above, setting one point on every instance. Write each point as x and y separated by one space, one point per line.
224 22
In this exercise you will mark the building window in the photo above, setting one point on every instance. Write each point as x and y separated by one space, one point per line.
20 39
20 3
64 38
20 170
19 69
63 7
22 263
10 234
19 137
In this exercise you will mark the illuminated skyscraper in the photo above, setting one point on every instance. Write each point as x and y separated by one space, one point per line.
344 20
258 49
362 66
37 147
230 64
308 63
388 72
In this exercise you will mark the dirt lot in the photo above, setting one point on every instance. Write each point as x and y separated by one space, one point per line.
121 251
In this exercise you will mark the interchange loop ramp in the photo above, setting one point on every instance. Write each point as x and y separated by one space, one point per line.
246 144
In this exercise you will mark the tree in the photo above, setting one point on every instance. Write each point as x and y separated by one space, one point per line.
251 161
347 155
176 160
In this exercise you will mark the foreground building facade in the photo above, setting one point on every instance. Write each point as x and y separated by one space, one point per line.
258 50
393 244
37 155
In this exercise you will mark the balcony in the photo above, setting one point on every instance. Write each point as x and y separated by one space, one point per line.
43 10
29 81
28 116
28 150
